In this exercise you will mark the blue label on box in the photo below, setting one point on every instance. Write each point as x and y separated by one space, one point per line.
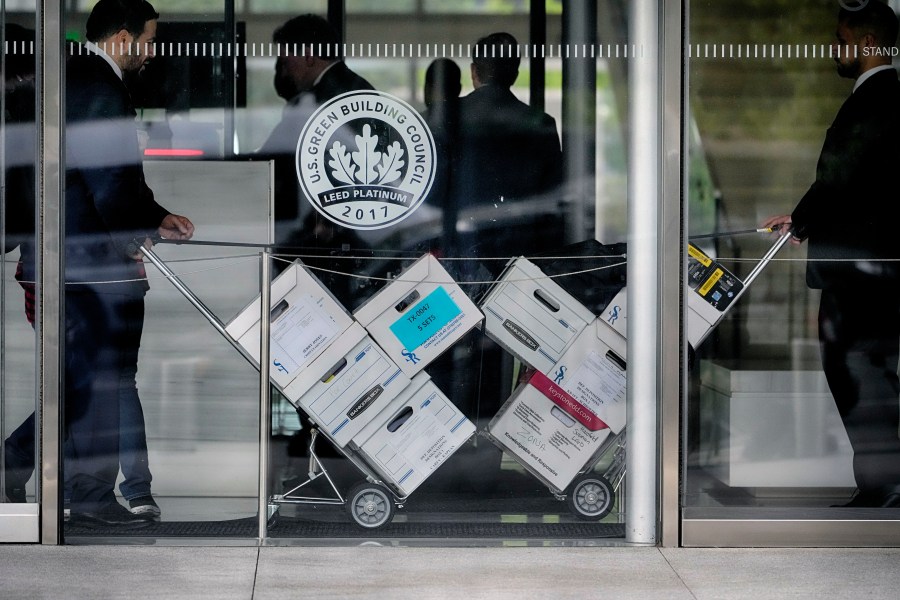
425 319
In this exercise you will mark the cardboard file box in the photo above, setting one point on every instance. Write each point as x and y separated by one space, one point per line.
531 316
351 384
711 289
305 320
593 371
548 431
414 435
419 315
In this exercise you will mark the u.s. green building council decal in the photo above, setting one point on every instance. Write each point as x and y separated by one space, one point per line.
365 160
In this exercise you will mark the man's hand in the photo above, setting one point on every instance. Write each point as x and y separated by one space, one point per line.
176 227
779 224
173 227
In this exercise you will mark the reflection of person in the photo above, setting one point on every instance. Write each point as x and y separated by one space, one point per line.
511 150
308 73
135 486
507 152
18 197
18 204
305 78
859 327
108 207
443 84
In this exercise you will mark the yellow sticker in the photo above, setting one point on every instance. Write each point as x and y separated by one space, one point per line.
717 275
695 253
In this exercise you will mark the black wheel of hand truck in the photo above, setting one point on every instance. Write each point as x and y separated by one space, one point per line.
370 505
590 497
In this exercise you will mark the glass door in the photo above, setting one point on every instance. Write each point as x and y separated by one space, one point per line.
792 403
20 490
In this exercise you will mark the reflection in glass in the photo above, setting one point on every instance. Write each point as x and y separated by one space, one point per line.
485 435
17 373
771 405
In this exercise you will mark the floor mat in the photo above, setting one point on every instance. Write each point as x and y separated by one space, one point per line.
285 527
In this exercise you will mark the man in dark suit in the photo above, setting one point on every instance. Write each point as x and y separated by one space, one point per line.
109 212
308 73
513 148
507 152
849 216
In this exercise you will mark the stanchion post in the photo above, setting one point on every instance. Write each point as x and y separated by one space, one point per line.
265 419
643 266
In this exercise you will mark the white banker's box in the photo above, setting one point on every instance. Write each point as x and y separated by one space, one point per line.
414 435
711 289
305 320
556 427
593 371
530 315
348 385
419 315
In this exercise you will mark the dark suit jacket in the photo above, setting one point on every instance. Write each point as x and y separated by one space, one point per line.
18 201
852 210
338 80
108 203
504 152
506 149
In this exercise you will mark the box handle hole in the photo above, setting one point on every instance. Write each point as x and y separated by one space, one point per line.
546 300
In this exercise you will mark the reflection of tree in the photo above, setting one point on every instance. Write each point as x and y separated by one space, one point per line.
765 98
761 122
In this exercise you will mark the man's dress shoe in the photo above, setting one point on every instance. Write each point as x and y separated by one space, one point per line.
108 515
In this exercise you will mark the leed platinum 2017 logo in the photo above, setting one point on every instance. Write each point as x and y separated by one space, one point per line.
365 160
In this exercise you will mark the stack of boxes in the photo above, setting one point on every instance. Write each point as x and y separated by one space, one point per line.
360 378
556 423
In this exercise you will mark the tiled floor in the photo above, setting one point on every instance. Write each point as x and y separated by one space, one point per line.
125 572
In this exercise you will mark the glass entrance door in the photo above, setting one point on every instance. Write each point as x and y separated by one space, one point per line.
792 402
19 488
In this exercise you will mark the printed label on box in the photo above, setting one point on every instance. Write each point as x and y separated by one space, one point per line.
417 444
305 321
599 384
416 439
548 439
418 316
352 391
425 319
563 399
615 314
532 317
299 332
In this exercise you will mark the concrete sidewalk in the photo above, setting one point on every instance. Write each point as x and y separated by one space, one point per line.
207 572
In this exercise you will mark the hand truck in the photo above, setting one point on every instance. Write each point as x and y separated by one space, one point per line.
712 290
370 503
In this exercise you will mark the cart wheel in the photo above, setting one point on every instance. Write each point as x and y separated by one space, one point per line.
370 505
590 497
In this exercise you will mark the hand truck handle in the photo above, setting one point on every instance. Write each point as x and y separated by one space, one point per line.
767 257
